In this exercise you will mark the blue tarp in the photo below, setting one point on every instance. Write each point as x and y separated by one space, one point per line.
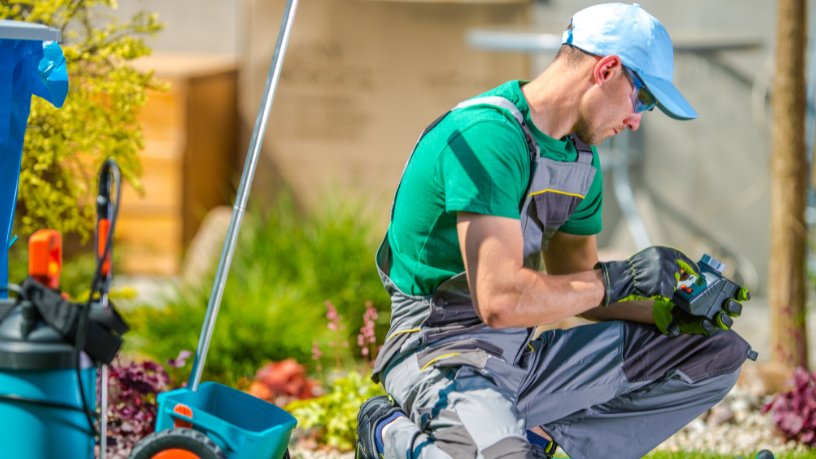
26 67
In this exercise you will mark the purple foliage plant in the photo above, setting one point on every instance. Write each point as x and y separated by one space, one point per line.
794 412
132 404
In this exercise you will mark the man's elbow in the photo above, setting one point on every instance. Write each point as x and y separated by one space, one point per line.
497 313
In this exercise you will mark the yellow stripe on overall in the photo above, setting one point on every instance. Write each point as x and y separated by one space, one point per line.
552 190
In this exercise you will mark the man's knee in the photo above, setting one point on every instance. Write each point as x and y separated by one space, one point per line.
474 417
458 442
508 447
649 355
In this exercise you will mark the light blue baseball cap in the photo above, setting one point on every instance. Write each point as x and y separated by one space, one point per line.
642 43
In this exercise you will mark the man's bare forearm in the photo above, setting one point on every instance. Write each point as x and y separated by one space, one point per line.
636 311
540 298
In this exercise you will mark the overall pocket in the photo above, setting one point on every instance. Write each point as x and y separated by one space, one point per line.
470 352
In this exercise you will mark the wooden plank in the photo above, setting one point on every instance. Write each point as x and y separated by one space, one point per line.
162 183
150 244
163 116
209 152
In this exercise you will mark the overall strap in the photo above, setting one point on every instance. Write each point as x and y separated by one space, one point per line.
495 101
501 102
584 150
532 146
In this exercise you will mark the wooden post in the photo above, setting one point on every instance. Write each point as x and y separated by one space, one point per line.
787 283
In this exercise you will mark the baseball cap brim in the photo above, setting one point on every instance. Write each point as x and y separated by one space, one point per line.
669 99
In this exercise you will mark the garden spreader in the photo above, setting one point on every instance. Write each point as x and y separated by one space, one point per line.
213 421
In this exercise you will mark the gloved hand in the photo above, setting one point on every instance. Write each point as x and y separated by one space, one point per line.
672 320
652 273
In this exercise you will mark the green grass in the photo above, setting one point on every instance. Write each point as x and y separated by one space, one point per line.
703 455
810 454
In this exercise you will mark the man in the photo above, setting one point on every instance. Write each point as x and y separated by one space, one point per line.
496 190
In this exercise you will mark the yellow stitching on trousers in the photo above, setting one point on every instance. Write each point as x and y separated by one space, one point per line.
400 332
550 190
438 358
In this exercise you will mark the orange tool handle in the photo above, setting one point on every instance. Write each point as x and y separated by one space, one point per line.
102 238
45 257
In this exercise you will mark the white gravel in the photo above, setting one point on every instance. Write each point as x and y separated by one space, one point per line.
735 426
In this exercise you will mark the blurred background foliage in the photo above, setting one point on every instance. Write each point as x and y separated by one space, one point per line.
286 268
64 148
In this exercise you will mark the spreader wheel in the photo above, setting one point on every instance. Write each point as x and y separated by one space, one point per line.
179 443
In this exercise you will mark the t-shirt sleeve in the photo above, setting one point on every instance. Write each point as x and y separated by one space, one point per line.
484 169
587 218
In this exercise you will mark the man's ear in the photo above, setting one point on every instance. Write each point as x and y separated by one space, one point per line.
606 68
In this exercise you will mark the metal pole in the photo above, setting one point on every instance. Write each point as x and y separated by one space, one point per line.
243 193
103 413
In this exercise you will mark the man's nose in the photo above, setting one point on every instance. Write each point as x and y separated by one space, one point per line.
633 121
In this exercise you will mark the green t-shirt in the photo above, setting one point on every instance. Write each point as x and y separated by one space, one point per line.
475 160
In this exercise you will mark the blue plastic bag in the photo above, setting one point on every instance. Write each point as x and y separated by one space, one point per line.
26 67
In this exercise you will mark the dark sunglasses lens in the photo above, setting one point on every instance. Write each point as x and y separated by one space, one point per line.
645 100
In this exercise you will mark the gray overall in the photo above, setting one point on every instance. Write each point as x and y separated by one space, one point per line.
612 389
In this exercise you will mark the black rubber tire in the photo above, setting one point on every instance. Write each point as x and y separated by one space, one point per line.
180 438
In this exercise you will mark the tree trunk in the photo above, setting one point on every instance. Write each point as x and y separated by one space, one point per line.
787 283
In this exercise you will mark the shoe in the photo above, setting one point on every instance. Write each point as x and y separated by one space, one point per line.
545 452
371 413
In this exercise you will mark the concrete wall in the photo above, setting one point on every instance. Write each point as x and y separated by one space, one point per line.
193 26
361 80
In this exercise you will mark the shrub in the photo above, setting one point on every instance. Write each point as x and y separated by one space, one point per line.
98 119
794 412
332 418
285 268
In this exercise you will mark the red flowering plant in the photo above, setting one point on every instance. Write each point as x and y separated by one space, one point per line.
794 412
283 382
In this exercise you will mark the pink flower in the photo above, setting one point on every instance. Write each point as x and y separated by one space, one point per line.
316 354
332 316
367 335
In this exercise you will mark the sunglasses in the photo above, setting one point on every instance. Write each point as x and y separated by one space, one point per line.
642 99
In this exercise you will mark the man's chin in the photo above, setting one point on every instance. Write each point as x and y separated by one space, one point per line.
590 139
591 136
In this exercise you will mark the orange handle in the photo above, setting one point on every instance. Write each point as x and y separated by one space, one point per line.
45 257
183 410
102 239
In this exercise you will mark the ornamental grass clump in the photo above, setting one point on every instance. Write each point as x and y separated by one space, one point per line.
794 412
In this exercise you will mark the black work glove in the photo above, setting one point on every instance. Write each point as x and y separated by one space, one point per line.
651 274
672 320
